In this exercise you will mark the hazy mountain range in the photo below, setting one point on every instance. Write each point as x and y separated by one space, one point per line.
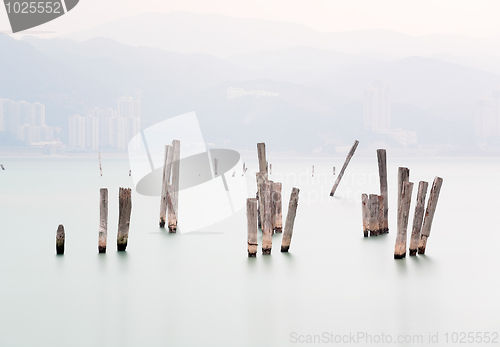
183 62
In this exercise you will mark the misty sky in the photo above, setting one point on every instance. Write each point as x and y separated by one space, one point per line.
464 17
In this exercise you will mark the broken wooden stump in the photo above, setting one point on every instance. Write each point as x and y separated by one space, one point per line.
380 215
261 178
173 189
341 173
261 151
382 171
418 217
290 220
125 208
167 169
373 226
365 211
403 176
278 217
60 239
265 213
429 214
103 220
404 212
252 227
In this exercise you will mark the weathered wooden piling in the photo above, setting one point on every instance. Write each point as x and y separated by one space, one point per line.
382 171
167 170
334 171
341 173
429 214
380 214
100 166
244 171
270 169
261 151
173 206
418 217
403 176
261 178
267 232
103 220
60 239
129 173
313 171
365 211
125 208
278 215
374 225
252 227
290 220
404 212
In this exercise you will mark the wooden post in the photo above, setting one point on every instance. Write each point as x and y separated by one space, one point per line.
261 151
418 217
265 213
365 211
290 220
278 217
272 205
313 171
347 160
60 238
429 214
167 169
125 208
380 215
216 162
234 173
403 176
270 169
129 173
174 187
252 227
334 171
100 166
374 227
382 171
260 177
404 212
244 171
103 222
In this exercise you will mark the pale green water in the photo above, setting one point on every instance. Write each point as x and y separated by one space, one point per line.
202 290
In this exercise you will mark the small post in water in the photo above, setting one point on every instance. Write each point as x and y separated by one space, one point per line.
347 160
278 215
382 171
103 221
429 214
404 212
380 214
418 217
252 227
403 176
173 200
100 166
265 213
374 227
365 210
167 169
60 238
290 220
125 208
261 151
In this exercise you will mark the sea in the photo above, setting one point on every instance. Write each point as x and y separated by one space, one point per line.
333 287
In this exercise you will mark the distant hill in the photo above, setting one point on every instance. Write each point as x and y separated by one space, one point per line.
225 36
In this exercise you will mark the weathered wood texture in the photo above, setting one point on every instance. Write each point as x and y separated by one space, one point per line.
174 188
341 173
267 232
272 205
374 227
167 170
261 178
60 239
403 176
365 211
429 214
290 220
382 171
103 220
261 151
380 214
278 215
418 217
404 210
252 227
124 211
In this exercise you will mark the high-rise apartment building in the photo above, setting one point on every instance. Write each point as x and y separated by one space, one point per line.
377 106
